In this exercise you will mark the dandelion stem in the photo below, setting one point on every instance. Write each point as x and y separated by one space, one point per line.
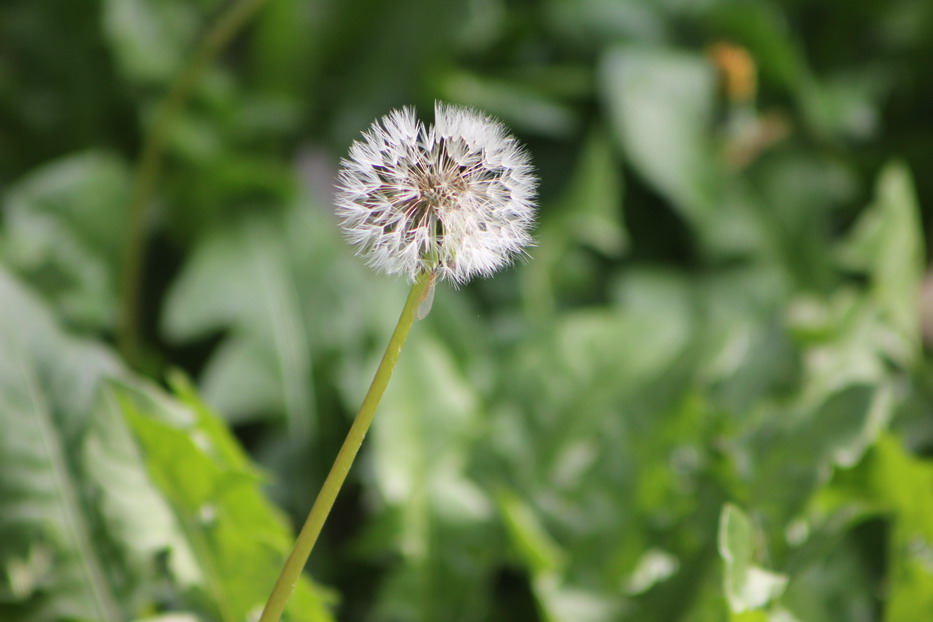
291 571
230 22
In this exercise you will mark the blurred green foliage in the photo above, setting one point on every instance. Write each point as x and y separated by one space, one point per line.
705 396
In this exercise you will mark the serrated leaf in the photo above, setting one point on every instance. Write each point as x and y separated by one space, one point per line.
238 539
239 279
53 566
85 517
134 511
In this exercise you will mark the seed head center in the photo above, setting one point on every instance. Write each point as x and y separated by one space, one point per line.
439 190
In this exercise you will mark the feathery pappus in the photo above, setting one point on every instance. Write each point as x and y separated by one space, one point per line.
456 198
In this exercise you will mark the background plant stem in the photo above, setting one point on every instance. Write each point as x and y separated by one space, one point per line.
230 22
351 446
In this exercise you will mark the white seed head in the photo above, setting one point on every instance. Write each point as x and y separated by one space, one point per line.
457 197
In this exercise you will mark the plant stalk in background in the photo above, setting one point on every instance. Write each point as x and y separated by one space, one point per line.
230 22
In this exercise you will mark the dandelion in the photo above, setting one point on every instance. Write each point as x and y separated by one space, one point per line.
455 198
450 201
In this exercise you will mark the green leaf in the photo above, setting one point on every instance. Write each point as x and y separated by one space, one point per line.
521 107
545 562
133 510
216 496
436 516
904 485
53 565
593 198
661 104
150 39
64 231
537 550
598 22
95 525
239 279
747 585
887 243
588 215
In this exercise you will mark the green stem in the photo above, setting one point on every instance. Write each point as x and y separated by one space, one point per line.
291 571
230 22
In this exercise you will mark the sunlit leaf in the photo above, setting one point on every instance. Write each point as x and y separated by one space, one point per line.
747 585
534 546
661 105
54 565
904 484
887 244
217 498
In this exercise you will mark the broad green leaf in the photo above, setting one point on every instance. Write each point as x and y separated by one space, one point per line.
64 230
588 215
593 198
598 22
54 564
134 511
436 515
661 104
560 602
800 447
545 562
239 279
86 517
521 107
747 585
904 485
887 243
892 485
215 494
150 39
653 567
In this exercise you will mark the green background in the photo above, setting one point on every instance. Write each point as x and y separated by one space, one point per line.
706 395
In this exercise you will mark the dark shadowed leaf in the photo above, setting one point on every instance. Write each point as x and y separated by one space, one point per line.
64 231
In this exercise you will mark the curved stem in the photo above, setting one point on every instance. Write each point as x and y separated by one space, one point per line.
291 571
230 22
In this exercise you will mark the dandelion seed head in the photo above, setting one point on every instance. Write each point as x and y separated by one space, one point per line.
456 197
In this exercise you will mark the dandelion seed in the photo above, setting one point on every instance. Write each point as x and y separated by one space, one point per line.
456 198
